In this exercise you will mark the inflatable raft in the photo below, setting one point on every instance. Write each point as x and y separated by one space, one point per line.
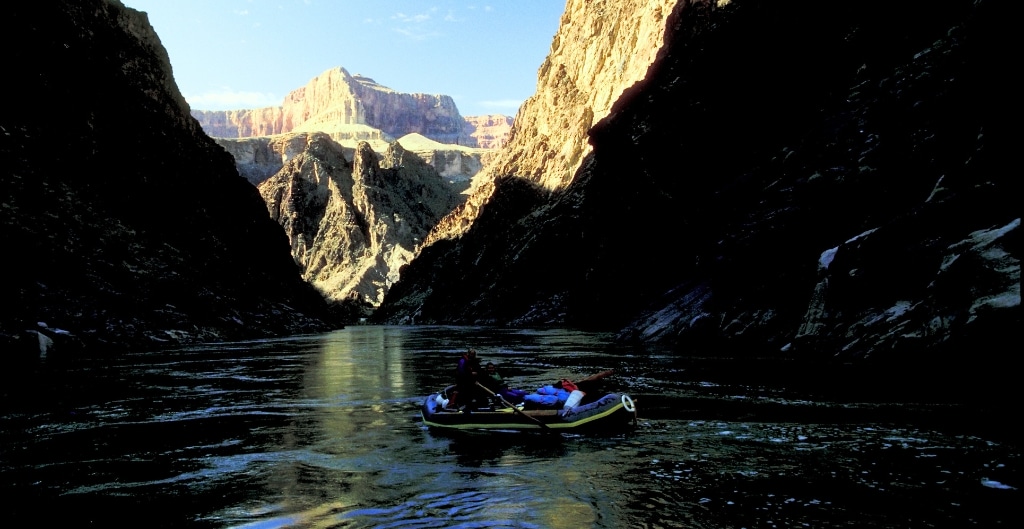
613 410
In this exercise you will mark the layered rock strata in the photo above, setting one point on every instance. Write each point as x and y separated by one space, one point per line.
351 108
489 131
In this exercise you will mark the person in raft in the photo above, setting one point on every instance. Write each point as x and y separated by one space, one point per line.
467 372
493 380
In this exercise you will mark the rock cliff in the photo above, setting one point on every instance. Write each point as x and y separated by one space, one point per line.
353 109
602 47
260 158
489 131
805 179
353 224
131 227
350 108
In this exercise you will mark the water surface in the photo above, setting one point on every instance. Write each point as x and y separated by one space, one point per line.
324 431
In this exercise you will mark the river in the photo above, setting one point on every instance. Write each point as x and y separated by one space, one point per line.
324 431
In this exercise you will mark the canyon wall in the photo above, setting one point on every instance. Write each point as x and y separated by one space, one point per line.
349 108
490 131
808 180
133 228
602 48
353 223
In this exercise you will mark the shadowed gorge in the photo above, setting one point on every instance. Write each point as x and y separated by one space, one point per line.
131 226
802 180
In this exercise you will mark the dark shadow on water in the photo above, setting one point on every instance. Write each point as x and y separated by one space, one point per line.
473 448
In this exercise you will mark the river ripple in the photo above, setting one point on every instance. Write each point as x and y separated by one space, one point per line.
324 431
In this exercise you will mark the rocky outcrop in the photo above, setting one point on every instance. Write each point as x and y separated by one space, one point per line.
456 163
260 158
802 179
489 131
132 227
971 292
257 159
601 48
353 225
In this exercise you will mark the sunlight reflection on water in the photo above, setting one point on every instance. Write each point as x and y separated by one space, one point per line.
325 432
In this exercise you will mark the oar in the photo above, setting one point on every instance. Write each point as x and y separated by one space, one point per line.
509 404
585 384
595 377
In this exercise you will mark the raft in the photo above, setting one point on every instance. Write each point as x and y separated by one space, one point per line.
609 412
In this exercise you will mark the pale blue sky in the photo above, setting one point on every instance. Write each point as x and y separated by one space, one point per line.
235 54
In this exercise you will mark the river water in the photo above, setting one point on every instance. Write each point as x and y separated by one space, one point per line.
324 431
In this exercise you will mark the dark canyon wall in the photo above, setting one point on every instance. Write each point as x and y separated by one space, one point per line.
824 180
124 225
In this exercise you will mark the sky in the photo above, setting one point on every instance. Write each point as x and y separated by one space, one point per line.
238 54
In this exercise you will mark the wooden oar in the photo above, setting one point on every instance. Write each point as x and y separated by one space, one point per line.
586 384
595 377
509 404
